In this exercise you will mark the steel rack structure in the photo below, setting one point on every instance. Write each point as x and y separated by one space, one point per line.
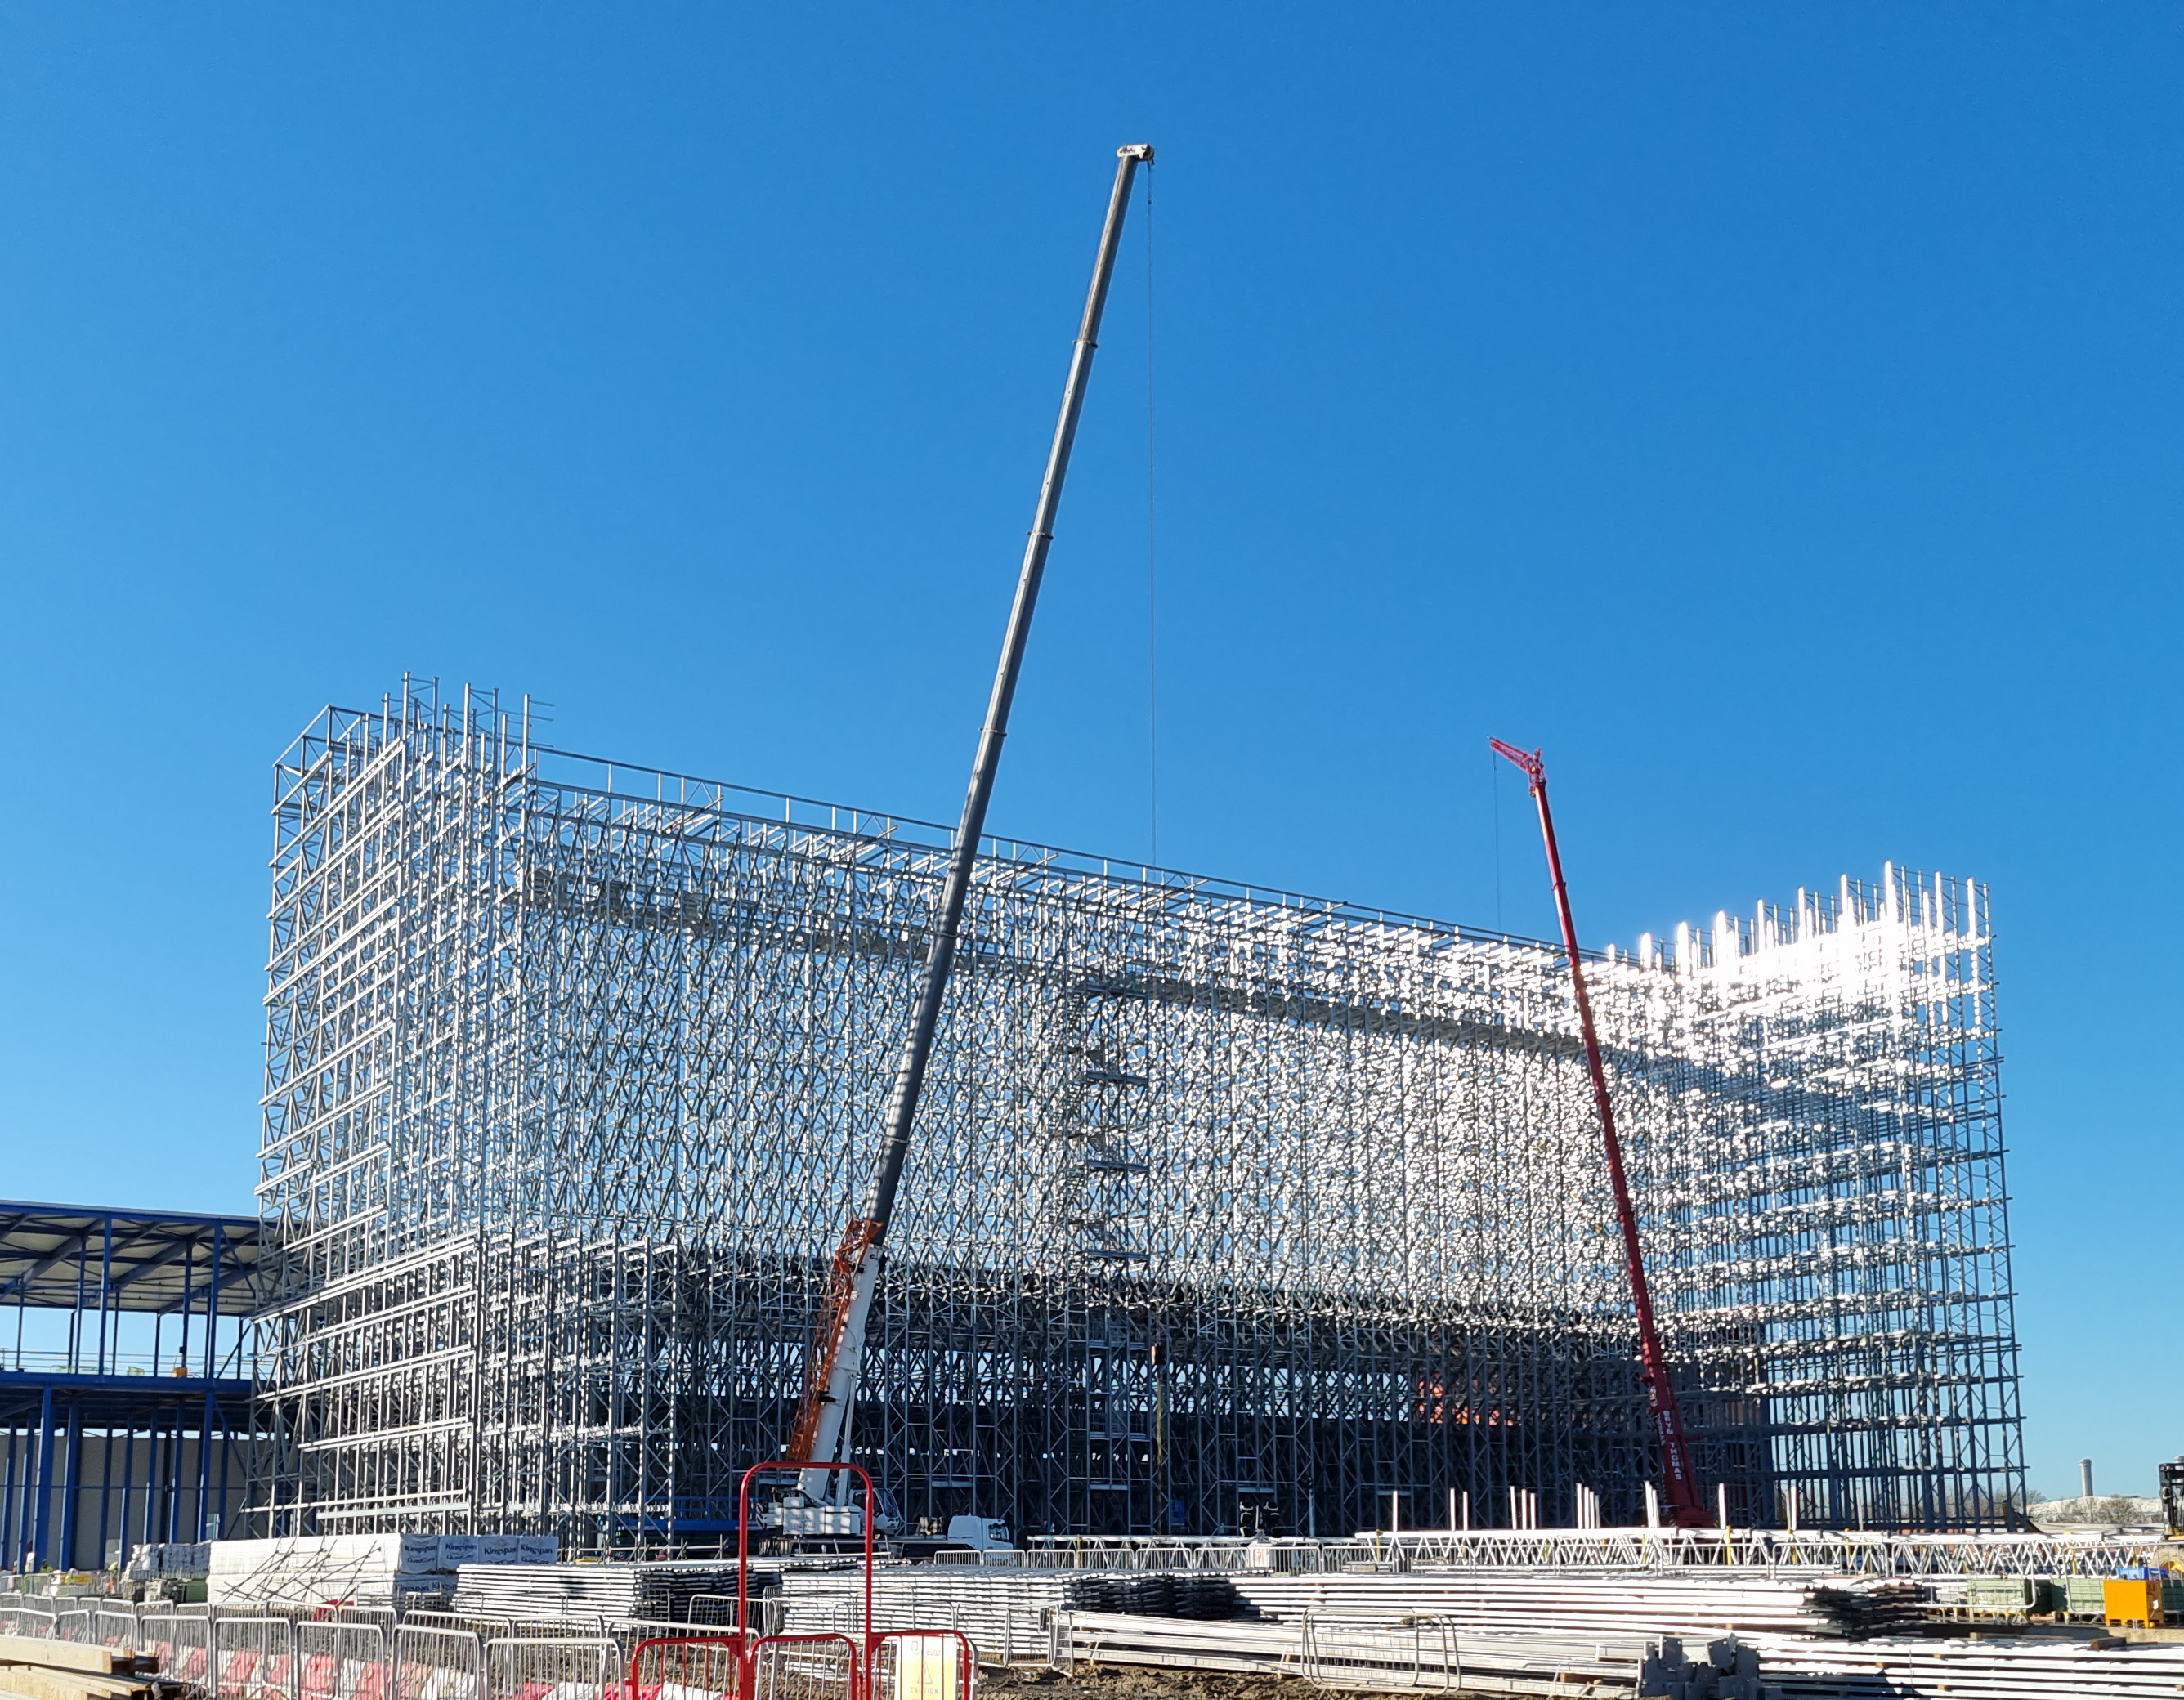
1228 1208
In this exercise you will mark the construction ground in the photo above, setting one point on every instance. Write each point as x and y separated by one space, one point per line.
1238 1223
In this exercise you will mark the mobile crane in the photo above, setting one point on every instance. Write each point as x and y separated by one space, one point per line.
1685 1505
820 1434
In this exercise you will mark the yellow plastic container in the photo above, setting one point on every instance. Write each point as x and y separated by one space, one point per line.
2131 1601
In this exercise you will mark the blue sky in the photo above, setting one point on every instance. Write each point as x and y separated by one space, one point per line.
1773 412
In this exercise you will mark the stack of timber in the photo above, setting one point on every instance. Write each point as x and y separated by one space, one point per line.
576 1593
1687 1603
1435 1658
63 1670
2002 1669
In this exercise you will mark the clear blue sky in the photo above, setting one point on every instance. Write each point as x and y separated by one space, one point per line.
1775 412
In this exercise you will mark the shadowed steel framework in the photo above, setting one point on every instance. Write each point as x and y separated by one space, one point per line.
1226 1206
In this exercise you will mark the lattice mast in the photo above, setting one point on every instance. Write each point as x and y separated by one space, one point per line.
819 1436
1685 1504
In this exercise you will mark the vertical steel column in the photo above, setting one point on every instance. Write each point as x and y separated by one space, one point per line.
72 1480
42 1524
106 1490
8 1498
105 1292
209 1355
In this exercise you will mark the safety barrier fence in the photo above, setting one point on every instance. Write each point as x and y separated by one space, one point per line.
181 1647
551 1668
920 1664
431 1663
253 1658
202 1653
341 1661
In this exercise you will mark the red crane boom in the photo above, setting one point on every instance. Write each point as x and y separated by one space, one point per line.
1685 1505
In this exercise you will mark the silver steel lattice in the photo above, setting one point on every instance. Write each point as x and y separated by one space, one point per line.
1226 1205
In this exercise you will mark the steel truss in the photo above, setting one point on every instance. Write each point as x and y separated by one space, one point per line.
1227 1205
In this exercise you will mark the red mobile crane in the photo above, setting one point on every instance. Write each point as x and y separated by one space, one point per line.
1685 1505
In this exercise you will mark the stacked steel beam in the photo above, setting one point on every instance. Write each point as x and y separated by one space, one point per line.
1611 1602
2007 1670
1420 1654
565 1593
1004 1612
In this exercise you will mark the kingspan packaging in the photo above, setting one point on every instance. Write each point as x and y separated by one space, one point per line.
317 1570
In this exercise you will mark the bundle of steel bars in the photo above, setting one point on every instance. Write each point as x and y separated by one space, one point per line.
2003 1670
1604 1601
1422 1654
534 1593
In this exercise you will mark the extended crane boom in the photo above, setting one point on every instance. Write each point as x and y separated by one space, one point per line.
1685 1505
820 1434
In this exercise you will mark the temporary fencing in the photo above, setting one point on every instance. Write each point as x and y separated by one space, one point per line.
73 1623
551 1668
920 1664
341 1661
29 1617
116 1625
253 1657
180 1646
687 1667
803 1667
432 1664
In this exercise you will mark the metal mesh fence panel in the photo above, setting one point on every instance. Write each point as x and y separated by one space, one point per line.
921 1665
254 1657
551 1668
803 1667
438 1663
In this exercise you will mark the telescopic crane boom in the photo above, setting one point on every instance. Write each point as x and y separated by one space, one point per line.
1685 1505
821 1427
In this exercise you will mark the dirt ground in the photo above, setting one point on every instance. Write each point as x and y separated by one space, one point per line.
1127 1682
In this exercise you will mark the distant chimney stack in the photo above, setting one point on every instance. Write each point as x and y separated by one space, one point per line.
2085 1478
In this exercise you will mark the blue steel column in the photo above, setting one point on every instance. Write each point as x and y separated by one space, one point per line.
42 1527
209 1355
105 1290
71 1482
8 1497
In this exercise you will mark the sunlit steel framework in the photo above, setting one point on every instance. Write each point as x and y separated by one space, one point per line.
1227 1205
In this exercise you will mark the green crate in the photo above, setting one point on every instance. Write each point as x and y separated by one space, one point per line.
2000 1593
2084 1596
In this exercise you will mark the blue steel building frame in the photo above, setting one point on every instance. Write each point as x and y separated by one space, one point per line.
82 1270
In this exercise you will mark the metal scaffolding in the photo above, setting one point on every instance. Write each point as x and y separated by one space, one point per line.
1227 1205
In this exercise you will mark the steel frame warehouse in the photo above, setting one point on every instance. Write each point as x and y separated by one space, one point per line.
1226 1204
